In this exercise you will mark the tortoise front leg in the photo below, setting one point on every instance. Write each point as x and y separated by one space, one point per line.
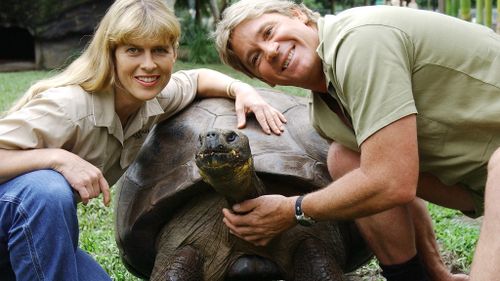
312 262
186 264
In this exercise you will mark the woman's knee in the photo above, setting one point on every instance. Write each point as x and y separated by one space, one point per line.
47 187
341 160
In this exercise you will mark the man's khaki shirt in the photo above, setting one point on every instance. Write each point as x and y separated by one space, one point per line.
87 124
384 63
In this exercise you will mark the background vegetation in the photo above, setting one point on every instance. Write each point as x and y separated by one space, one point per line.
199 17
457 235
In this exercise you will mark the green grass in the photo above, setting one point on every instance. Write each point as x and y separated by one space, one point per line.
96 221
456 234
14 84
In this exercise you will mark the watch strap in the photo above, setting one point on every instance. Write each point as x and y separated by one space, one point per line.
301 218
298 206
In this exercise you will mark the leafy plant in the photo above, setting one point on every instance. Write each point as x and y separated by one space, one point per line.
196 42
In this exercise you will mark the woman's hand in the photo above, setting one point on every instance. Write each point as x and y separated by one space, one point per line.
249 100
84 177
259 220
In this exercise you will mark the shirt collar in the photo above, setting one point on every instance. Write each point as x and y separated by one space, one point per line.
103 110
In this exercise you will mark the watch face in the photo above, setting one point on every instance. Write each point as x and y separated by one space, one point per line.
305 221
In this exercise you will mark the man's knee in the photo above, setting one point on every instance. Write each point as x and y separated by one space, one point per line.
494 163
341 160
493 180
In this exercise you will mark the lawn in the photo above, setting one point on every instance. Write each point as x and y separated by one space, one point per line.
456 235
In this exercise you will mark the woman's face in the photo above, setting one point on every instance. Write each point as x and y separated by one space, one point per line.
143 69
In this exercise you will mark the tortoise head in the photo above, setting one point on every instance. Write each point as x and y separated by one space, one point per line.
225 161
221 151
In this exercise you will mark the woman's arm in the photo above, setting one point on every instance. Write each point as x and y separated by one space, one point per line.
215 84
84 177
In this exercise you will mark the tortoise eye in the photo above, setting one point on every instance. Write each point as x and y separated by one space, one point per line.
231 137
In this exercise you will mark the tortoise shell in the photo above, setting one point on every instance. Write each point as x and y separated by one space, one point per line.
164 175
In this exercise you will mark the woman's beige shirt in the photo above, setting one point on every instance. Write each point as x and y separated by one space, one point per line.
87 124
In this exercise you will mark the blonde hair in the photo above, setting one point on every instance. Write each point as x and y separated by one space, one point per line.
125 20
246 10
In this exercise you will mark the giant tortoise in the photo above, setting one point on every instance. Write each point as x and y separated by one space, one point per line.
169 219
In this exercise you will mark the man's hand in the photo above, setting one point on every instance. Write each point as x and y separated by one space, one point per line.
249 100
259 220
84 177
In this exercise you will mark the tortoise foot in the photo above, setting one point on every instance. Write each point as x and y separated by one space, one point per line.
253 268
312 262
185 265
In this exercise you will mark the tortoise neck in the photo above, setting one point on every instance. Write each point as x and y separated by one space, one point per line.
236 184
247 190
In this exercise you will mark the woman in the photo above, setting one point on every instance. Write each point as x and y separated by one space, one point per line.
78 131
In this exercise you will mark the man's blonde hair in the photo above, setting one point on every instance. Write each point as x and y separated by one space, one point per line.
125 21
246 10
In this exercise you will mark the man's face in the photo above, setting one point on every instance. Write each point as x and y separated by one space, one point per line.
278 49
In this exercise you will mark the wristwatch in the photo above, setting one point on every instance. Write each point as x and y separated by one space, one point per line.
301 218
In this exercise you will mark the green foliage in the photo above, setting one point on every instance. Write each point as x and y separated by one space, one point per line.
196 40
97 237
332 7
456 234
314 5
14 84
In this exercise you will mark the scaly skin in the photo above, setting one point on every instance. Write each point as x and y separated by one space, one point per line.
314 263
186 265
225 162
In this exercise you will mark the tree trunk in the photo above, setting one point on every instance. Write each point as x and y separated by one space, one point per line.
498 16
197 14
488 13
480 11
455 6
223 5
441 6
448 7
214 8
465 9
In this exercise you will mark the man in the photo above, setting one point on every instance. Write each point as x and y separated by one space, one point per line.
411 99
